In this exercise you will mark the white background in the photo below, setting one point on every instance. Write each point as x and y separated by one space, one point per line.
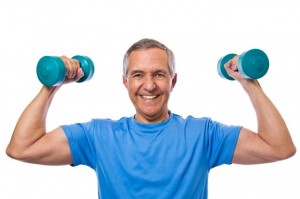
198 31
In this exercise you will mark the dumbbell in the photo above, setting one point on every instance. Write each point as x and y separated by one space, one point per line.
252 64
51 70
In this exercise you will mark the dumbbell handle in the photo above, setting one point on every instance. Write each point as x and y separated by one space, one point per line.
51 70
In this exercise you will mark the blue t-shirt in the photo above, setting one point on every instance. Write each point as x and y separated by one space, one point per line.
166 160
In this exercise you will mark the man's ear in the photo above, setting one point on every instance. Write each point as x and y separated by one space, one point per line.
174 80
125 82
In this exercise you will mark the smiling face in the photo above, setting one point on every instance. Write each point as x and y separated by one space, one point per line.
149 84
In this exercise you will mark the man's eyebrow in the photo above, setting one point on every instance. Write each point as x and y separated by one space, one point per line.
154 72
160 71
136 71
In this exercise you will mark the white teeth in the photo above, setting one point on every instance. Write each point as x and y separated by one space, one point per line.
149 96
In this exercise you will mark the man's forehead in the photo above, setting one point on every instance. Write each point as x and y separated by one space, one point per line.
148 55
148 51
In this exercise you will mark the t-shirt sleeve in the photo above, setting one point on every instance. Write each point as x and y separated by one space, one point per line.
80 143
222 140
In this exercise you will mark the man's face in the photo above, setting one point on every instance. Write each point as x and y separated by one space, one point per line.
149 84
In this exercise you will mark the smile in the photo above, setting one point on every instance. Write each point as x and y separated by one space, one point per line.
149 96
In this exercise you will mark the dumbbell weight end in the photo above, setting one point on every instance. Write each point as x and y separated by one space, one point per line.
221 69
253 64
87 66
51 71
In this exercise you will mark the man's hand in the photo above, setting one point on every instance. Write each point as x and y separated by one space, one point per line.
74 72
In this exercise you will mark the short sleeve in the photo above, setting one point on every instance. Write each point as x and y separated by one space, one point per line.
222 140
81 143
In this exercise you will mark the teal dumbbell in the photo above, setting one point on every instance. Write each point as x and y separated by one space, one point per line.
252 64
51 70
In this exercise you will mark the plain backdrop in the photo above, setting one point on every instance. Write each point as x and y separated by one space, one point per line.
198 31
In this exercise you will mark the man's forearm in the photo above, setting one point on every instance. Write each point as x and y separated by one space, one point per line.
271 126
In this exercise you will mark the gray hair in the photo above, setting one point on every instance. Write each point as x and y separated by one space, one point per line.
146 44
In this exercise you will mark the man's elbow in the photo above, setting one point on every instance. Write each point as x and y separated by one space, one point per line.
287 152
291 152
10 152
14 153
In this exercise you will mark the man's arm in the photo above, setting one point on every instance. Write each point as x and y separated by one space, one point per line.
272 141
30 142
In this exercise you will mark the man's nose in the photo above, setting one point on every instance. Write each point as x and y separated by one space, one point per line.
149 82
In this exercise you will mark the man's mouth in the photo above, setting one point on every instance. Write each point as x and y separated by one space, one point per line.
149 96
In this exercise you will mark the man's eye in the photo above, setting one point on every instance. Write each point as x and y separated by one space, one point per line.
160 76
137 75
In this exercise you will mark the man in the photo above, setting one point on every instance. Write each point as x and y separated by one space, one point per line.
155 153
